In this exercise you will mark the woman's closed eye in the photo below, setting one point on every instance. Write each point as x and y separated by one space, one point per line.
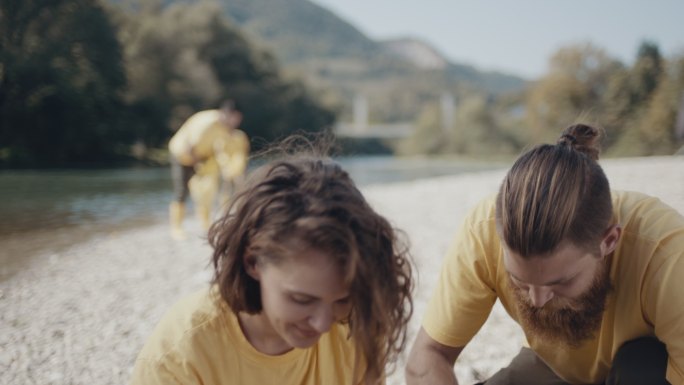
302 299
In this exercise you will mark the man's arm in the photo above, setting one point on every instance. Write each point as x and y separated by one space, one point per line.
431 362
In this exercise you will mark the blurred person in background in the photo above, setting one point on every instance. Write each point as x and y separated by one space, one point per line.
311 286
593 277
208 147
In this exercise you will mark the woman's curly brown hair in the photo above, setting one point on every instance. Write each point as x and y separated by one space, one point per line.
312 200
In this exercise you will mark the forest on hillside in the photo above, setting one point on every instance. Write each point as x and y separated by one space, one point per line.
640 107
82 82
85 82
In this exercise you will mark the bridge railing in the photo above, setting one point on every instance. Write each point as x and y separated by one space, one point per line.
385 131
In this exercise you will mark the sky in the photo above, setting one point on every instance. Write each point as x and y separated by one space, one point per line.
519 36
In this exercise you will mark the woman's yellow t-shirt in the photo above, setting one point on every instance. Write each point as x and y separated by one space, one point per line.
199 341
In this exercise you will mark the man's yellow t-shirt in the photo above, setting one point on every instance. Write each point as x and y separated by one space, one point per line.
199 341
647 273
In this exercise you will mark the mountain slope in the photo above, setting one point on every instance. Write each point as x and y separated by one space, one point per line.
416 52
398 77
322 46
298 30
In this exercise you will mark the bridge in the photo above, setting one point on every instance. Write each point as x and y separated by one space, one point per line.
378 131
360 128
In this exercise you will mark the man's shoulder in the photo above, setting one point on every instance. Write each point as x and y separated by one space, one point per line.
479 229
630 199
484 211
643 214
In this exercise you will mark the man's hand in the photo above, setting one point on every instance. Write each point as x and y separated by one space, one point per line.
431 362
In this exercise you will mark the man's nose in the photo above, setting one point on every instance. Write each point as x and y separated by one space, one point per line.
540 295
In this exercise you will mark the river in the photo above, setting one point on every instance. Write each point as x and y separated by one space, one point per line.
40 208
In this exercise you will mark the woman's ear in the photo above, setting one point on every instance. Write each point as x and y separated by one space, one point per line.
251 266
610 239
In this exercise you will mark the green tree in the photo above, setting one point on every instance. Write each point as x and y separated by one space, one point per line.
646 72
60 82
187 57
651 127
579 76
643 105
167 79
618 106
429 137
656 126
478 129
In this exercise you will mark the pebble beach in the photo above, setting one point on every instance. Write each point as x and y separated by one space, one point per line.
79 314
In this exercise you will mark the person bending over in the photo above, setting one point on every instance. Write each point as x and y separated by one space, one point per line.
593 276
208 146
310 286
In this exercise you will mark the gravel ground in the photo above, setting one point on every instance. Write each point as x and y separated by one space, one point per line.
79 314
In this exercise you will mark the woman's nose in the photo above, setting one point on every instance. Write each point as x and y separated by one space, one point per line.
322 319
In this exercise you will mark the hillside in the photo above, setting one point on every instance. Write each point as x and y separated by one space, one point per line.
299 30
335 58
302 33
416 52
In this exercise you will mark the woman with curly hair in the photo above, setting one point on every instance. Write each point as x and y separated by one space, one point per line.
310 286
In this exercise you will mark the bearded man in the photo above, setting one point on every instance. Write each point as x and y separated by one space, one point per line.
594 277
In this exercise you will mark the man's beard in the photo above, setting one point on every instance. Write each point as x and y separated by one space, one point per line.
566 321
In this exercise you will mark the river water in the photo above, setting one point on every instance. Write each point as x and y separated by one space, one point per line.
79 203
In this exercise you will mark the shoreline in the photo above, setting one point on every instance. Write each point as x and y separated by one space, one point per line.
32 245
80 313
98 204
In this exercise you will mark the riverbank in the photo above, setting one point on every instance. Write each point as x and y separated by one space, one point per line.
46 210
79 314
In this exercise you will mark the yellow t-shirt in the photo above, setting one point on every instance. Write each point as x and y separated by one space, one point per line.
199 341
648 299
206 137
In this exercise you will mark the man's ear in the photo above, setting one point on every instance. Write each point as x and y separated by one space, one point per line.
251 266
610 240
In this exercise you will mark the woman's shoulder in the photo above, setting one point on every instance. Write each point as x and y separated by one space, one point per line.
197 308
196 319
191 342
